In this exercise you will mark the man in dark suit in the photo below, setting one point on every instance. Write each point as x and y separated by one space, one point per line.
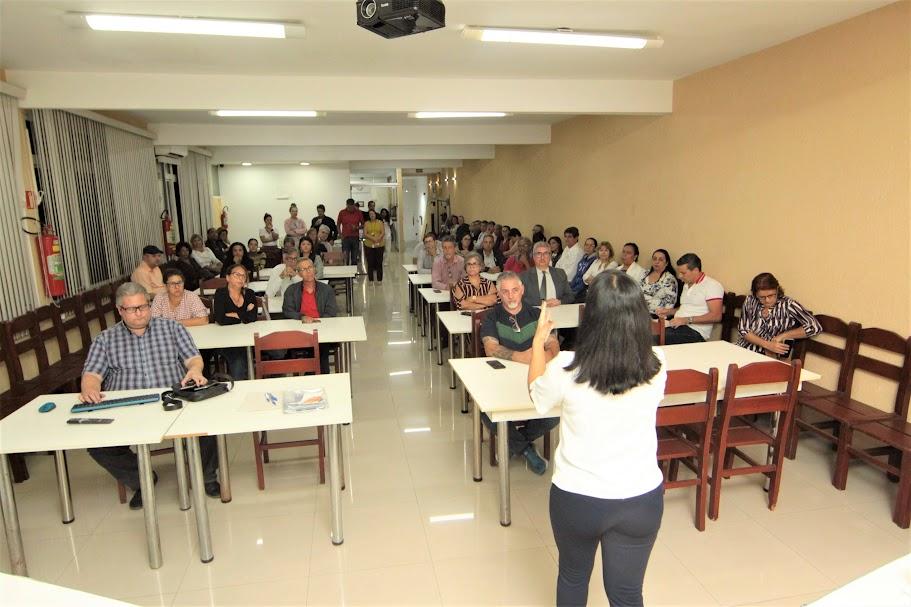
544 283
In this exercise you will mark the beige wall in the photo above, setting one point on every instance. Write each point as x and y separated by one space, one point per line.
793 160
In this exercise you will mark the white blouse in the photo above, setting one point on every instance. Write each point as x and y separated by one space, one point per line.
205 258
608 444
596 268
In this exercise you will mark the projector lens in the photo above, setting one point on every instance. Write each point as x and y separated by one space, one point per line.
368 9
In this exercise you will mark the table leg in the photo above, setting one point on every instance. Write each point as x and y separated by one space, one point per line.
462 339
11 519
349 290
224 476
149 507
421 320
476 443
410 298
503 466
452 377
335 496
348 348
249 363
63 487
436 309
770 453
199 501
183 488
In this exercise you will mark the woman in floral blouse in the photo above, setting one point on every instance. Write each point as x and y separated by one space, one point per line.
659 287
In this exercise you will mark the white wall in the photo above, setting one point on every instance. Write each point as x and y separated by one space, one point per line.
414 209
249 192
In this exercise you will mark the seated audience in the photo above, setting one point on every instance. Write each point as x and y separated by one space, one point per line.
307 251
289 243
212 239
511 246
466 246
607 489
308 301
147 273
237 254
537 233
589 257
325 240
491 258
507 333
603 261
770 319
283 276
426 252
184 261
556 249
700 304
521 260
502 243
233 305
267 234
449 267
221 245
544 283
473 291
629 262
659 287
489 227
256 256
204 256
179 304
322 219
572 253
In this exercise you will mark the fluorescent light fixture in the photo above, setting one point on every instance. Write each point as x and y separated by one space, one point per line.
265 113
457 115
448 518
185 25
246 164
561 36
394 373
412 430
305 164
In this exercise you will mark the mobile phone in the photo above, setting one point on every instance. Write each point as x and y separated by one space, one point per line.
465 313
89 420
437 291
496 364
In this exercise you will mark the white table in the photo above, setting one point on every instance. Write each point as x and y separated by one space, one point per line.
434 297
503 394
28 430
346 273
241 411
888 586
17 590
410 268
414 282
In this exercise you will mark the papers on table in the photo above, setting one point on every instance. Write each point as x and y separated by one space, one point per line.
290 401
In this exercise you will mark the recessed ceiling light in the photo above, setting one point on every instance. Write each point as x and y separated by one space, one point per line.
246 164
305 164
561 36
457 115
265 113
185 25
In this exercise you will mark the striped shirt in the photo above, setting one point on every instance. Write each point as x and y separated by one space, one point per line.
785 315
190 306
469 290
155 359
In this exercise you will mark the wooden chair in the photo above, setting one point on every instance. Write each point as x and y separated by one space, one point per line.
286 340
212 284
262 308
841 412
658 330
93 310
207 302
735 431
731 304
688 433
895 435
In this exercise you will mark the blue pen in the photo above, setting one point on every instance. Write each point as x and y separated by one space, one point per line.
271 398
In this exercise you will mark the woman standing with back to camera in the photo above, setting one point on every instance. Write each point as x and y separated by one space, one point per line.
607 488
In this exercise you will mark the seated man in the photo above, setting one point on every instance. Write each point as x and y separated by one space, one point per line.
142 353
283 275
308 301
493 259
544 282
148 272
426 252
700 304
507 333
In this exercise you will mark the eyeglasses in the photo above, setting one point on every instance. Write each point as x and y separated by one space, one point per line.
542 254
767 297
134 309
174 283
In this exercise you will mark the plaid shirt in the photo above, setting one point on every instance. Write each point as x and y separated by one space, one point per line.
153 360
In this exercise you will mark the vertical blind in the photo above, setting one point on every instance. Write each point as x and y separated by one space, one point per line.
17 291
101 195
195 198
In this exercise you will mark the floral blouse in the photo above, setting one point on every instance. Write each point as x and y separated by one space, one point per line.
661 294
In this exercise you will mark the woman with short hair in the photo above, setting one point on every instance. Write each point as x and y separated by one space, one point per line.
473 291
604 262
204 256
607 488
770 319
177 303
232 305
185 262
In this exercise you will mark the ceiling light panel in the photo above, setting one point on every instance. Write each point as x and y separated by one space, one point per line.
187 25
562 36
265 113
425 115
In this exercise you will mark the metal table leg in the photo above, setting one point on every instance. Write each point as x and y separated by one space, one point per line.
63 487
224 476
436 308
503 465
476 444
249 363
349 290
11 519
149 507
428 319
199 501
462 339
335 496
452 377
348 349
183 487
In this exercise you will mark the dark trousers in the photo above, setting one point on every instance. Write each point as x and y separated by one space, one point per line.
350 247
122 464
625 528
521 437
237 361
374 259
683 334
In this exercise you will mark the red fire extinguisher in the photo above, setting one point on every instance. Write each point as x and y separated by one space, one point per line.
166 225
224 218
51 262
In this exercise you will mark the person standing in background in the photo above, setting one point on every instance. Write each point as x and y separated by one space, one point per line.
374 246
295 226
350 221
322 220
387 224
267 234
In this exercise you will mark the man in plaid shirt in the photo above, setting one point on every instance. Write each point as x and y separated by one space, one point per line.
138 353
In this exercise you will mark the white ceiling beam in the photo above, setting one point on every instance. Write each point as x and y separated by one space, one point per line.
436 154
155 91
411 163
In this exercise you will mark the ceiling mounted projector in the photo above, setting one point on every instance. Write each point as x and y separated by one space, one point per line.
397 18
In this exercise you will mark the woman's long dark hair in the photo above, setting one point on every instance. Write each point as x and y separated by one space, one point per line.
614 350
312 256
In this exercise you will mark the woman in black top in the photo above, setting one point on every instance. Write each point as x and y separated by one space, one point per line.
189 267
237 255
235 304
556 249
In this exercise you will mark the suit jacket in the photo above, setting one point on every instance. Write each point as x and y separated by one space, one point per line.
325 301
499 258
532 296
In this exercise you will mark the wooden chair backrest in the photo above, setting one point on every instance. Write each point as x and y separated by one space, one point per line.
212 284
20 336
844 356
262 308
887 341
687 381
658 330
286 340
731 304
772 372
477 317
334 258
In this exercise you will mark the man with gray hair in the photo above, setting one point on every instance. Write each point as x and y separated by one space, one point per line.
544 283
142 353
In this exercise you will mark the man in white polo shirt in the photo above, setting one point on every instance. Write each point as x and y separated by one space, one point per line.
700 304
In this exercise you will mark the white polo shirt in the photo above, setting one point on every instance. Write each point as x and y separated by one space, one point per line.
569 261
695 302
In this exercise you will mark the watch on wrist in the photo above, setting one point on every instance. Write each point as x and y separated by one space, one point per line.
689 320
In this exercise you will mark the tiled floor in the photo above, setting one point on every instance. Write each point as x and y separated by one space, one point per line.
272 547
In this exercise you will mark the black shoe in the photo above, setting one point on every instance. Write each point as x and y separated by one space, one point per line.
136 501
213 489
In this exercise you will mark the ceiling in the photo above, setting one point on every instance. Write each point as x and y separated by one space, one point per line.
337 119
697 34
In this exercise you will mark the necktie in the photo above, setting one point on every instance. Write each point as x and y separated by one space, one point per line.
543 285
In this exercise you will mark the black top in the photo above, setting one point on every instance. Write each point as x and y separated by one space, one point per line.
514 332
192 271
219 248
316 222
223 304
